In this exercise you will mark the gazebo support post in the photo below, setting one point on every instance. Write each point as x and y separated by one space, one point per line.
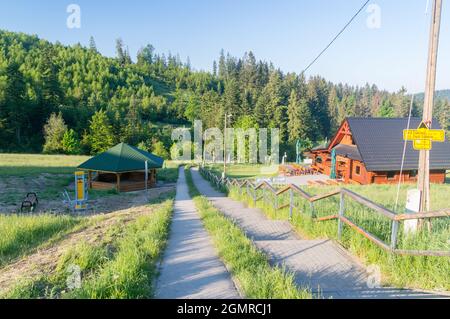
90 179
118 183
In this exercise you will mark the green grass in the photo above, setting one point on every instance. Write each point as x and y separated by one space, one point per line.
256 278
402 271
169 173
244 171
123 265
31 164
20 234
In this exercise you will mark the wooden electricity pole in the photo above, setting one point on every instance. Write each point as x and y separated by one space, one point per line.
424 158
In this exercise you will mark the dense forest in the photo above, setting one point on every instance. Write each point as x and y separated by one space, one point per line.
72 99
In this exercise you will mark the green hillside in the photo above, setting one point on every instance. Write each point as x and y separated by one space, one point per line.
73 100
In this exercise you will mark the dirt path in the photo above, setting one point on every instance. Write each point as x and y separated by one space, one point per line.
191 268
44 261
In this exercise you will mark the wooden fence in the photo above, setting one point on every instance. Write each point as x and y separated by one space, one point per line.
340 216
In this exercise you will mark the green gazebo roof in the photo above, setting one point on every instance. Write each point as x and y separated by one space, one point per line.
122 158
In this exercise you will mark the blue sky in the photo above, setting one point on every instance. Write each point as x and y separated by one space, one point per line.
287 32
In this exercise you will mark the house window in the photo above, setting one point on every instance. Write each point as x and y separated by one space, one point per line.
358 170
391 175
319 160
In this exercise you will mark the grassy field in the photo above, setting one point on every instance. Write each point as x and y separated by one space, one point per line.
256 278
31 164
121 265
49 175
402 271
169 173
21 234
244 171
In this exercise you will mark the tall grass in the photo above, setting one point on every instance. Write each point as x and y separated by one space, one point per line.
402 271
244 170
131 273
20 234
122 265
249 267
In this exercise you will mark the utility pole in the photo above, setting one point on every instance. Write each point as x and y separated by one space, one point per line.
424 158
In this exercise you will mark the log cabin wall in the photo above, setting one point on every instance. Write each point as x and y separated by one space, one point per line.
436 177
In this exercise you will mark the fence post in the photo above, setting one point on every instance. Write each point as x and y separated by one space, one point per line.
248 192
291 203
341 214
394 234
313 211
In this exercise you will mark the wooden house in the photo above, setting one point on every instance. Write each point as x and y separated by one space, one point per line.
370 151
122 168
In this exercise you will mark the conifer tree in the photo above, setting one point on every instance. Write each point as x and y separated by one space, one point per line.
54 130
101 135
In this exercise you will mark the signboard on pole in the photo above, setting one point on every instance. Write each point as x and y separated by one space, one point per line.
424 137
81 193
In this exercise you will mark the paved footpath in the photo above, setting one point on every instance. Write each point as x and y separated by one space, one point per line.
320 265
190 267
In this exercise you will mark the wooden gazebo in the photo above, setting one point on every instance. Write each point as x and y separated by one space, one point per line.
122 168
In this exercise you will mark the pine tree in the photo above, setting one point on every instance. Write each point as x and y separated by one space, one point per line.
294 121
92 44
333 110
231 98
214 69
120 51
15 100
387 109
70 143
54 132
101 135
146 55
222 65
192 108
51 92
160 150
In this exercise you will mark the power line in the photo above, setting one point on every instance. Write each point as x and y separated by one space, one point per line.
337 36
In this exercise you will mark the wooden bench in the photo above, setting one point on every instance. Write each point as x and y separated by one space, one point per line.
30 202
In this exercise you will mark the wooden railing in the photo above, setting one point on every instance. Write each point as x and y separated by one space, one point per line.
340 216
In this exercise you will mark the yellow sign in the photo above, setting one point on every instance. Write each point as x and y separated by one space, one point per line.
423 137
422 145
424 134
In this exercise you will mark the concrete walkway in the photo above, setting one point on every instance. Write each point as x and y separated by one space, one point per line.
191 268
323 266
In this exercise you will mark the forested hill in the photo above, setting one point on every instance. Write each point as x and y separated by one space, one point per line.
440 95
63 99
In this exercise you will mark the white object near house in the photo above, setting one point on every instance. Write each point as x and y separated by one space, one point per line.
284 159
412 206
308 161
